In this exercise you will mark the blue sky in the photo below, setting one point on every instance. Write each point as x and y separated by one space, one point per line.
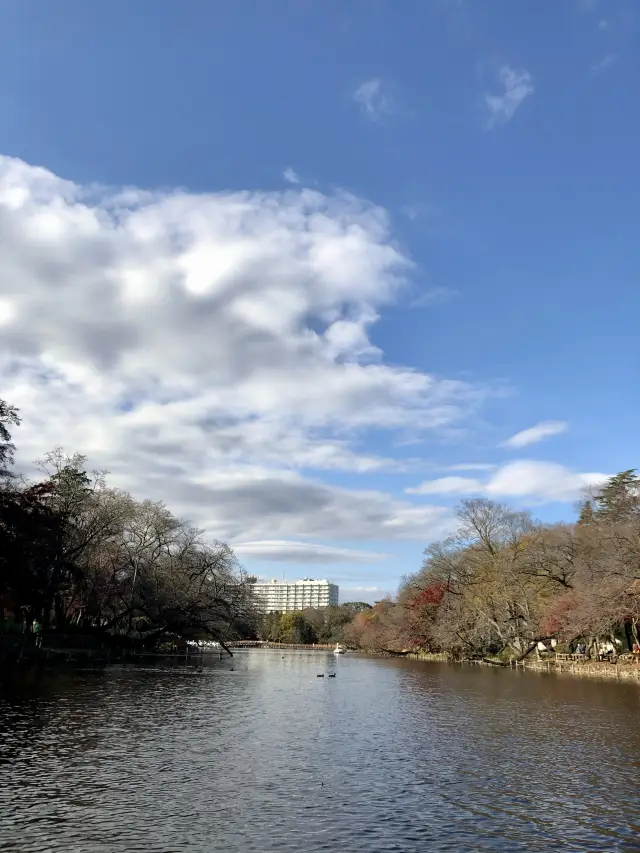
468 172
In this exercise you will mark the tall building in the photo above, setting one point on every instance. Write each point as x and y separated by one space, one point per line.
285 596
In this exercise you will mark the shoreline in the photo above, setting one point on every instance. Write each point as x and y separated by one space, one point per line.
590 669
607 671
52 658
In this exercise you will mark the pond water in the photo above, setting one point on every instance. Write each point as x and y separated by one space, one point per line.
388 755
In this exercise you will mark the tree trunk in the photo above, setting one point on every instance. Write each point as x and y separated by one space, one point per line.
533 645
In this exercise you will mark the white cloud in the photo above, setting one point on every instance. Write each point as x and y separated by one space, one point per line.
534 481
283 551
373 99
517 86
447 486
7 312
604 63
206 348
536 433
543 481
290 176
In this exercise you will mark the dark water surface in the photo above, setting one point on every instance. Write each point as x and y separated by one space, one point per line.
389 755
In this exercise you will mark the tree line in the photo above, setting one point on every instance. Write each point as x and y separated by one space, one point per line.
79 555
504 582
324 625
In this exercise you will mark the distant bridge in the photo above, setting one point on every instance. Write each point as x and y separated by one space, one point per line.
265 644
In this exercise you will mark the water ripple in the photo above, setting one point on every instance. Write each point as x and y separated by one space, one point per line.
388 756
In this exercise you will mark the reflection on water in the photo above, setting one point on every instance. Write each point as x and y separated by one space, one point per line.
389 755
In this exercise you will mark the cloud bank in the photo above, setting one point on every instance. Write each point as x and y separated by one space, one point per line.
214 351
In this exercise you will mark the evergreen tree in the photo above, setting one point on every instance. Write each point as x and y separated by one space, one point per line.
619 499
586 513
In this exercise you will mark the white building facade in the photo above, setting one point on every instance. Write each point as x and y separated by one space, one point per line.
286 596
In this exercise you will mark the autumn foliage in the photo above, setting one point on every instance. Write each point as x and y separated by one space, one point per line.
504 582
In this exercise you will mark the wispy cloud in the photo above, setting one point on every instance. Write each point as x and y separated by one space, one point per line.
603 24
472 466
434 296
447 486
291 176
364 589
373 99
420 209
536 433
517 86
368 594
608 60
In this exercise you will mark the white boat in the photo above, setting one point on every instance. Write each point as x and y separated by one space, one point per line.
339 650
